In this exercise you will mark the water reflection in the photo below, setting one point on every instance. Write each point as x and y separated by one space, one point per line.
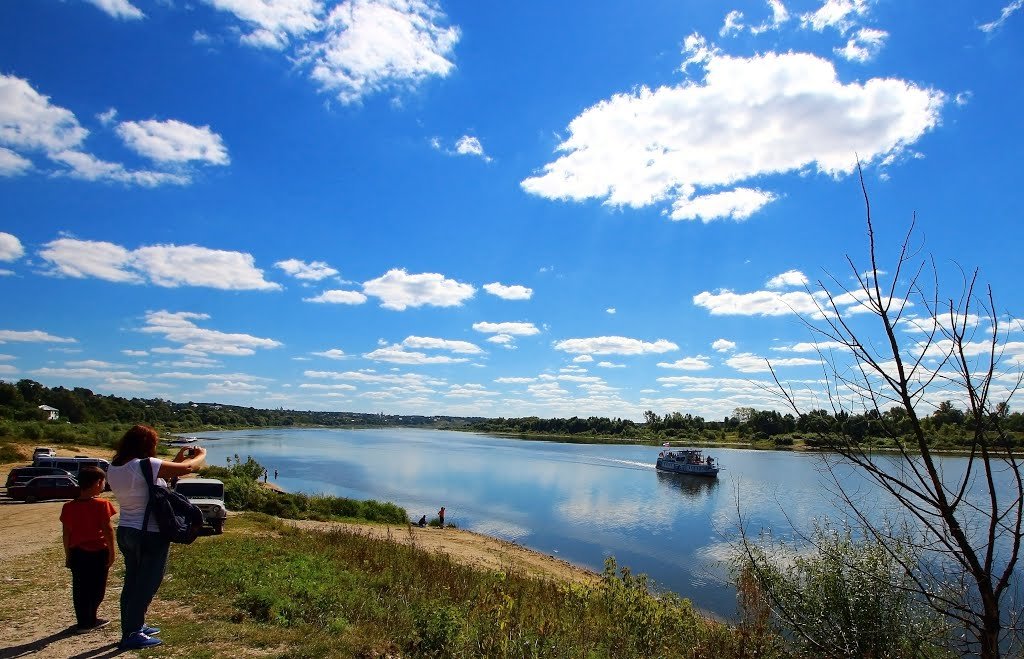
577 501
692 487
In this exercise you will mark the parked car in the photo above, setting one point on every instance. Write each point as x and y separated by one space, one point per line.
43 452
41 488
70 465
22 475
208 495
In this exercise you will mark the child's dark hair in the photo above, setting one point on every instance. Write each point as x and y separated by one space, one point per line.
89 475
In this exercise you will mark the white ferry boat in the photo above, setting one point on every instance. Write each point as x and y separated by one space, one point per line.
687 461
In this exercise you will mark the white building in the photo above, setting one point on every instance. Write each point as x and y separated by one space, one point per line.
52 413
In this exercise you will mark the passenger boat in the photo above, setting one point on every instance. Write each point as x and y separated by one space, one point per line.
687 461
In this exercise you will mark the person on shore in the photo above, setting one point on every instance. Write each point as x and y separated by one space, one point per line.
440 516
145 551
422 522
88 547
275 474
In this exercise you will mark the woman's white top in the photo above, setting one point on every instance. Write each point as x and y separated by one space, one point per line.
129 486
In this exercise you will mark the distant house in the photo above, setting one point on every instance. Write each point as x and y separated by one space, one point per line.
52 413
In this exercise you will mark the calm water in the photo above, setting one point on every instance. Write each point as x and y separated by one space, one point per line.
579 502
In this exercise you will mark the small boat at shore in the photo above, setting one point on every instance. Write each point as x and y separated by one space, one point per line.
687 461
182 441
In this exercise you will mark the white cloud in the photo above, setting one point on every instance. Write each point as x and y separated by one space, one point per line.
723 345
399 290
80 373
312 271
758 303
733 23
515 380
10 247
135 353
107 117
685 143
1006 12
32 336
807 346
840 14
87 167
737 204
92 363
173 141
864 45
339 387
397 354
500 339
412 381
431 343
610 310
191 352
746 362
779 13
333 353
7 369
169 266
191 265
273 22
12 164
28 121
468 391
610 365
119 9
787 279
513 292
239 377
371 46
614 345
178 327
698 363
468 145
582 359
337 297
512 329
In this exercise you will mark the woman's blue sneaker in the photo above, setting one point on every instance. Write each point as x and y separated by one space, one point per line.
139 641
150 631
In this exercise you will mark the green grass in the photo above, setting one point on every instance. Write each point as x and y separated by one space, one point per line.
295 593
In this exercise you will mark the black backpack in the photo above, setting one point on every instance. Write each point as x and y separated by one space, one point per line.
178 519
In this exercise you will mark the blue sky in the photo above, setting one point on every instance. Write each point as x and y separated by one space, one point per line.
571 208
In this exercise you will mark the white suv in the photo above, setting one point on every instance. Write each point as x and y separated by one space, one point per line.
207 494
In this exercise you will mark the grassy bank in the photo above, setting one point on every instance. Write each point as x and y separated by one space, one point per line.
295 593
242 491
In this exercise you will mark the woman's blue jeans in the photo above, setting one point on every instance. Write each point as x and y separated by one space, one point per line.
145 558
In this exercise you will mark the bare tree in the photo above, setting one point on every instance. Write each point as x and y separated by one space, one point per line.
967 526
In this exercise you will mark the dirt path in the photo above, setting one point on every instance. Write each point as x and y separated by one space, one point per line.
36 613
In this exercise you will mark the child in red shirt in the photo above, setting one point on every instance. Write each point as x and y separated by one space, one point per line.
88 547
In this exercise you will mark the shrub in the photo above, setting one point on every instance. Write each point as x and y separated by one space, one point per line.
849 597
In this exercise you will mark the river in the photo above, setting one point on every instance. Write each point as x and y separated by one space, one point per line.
579 502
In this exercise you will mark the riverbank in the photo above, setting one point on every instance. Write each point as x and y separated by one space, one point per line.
270 587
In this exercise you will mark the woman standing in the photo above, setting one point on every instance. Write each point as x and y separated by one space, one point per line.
145 552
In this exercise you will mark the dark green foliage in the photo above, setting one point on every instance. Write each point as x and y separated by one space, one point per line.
243 491
843 596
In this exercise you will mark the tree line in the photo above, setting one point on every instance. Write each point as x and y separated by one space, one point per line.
20 401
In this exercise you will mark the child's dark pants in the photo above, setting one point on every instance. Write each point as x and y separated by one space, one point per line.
88 583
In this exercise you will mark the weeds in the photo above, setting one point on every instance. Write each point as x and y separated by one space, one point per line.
374 597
